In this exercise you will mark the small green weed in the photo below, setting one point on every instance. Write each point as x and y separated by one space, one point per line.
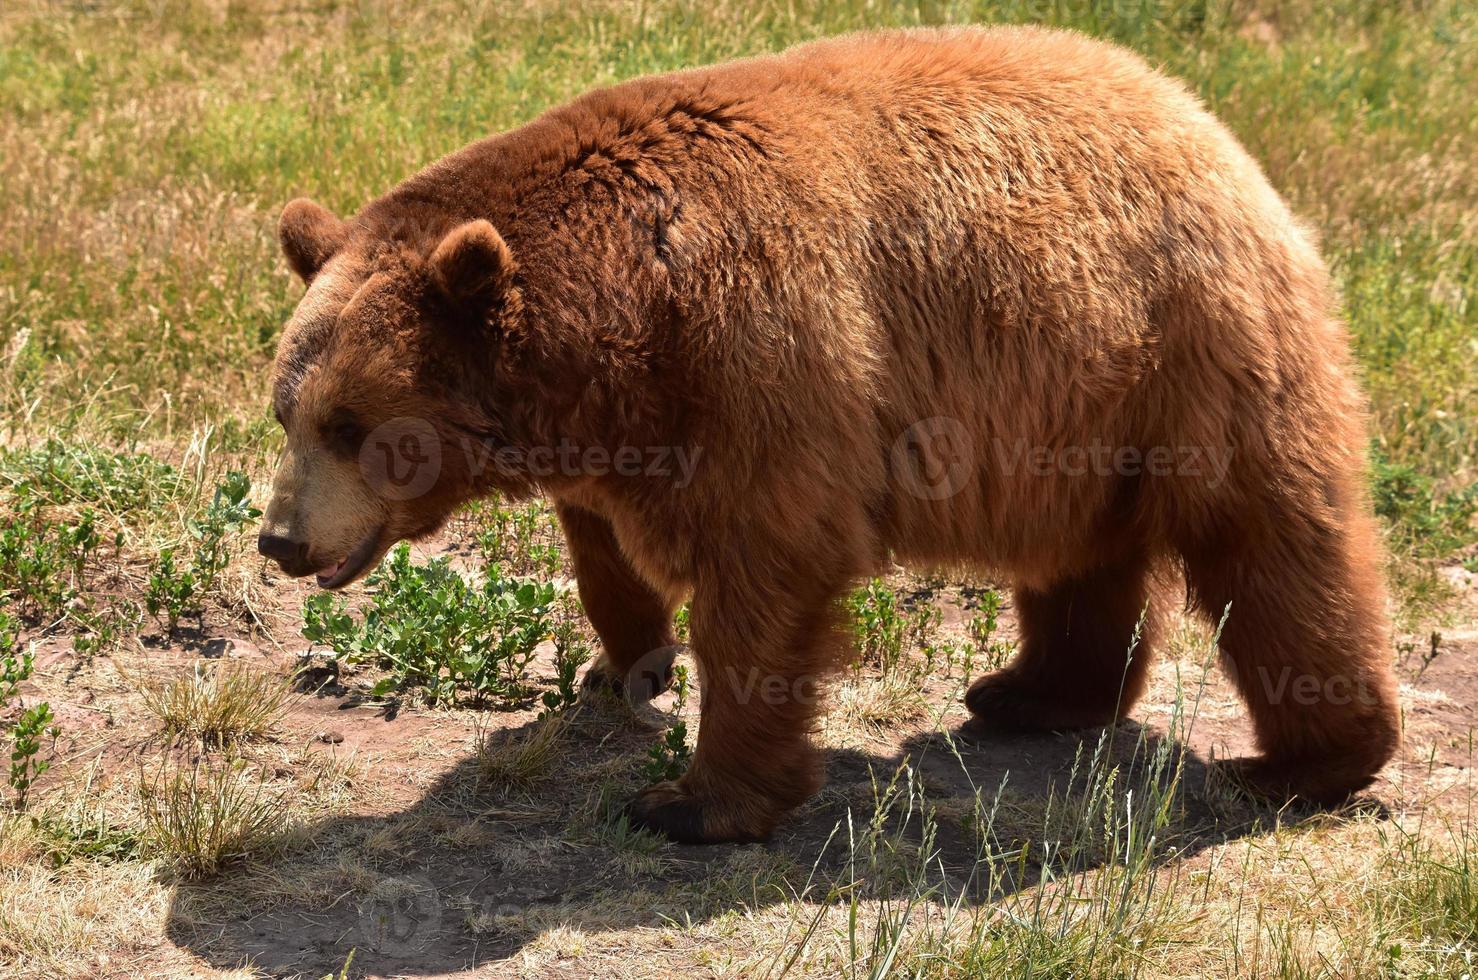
174 589
26 766
520 539
34 722
985 651
101 631
343 973
886 631
15 666
570 651
42 562
170 590
668 757
896 648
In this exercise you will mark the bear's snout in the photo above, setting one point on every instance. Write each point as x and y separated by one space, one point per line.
289 553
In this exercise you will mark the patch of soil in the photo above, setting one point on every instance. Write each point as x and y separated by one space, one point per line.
425 870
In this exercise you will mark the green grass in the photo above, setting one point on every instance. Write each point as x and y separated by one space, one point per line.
147 148
59 473
1076 891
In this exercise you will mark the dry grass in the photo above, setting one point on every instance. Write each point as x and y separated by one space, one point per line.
90 920
510 761
205 816
868 705
219 705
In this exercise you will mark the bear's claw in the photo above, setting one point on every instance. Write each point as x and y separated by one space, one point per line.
669 809
640 684
1319 784
1003 703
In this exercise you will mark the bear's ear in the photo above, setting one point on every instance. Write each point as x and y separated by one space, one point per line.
310 235
473 267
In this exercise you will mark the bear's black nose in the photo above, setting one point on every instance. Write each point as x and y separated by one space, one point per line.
282 549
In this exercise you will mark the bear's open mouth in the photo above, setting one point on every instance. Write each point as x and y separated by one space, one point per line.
348 568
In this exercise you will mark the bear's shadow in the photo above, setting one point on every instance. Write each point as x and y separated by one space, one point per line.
443 899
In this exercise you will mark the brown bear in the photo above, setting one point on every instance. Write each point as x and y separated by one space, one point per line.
1001 298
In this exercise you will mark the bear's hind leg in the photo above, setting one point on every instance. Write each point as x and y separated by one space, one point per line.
633 621
1075 668
1304 641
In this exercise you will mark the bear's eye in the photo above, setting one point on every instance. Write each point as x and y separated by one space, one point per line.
344 436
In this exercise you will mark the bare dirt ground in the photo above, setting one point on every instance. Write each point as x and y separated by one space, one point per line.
404 855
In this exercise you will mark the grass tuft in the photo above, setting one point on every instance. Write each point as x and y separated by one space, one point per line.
509 761
205 817
219 705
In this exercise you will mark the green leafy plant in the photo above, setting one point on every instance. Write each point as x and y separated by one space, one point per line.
668 758
435 632
570 651
174 589
26 766
104 629
15 666
983 649
896 647
887 631
229 511
170 591
520 539
42 562
34 722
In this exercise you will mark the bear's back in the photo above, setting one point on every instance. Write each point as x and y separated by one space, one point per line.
984 223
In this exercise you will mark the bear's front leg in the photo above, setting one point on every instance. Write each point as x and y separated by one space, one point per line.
762 652
632 619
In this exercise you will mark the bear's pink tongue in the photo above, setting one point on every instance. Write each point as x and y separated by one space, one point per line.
327 574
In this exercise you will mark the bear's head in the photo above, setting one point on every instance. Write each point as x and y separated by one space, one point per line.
383 386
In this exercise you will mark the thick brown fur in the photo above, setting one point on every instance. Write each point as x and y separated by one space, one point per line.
875 282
